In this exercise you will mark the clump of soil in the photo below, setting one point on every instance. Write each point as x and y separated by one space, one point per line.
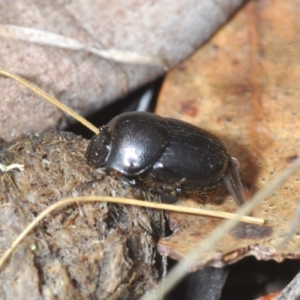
81 251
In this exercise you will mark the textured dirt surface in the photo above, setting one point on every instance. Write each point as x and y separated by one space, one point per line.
81 251
246 92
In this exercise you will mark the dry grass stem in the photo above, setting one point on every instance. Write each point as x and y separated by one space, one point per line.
33 35
140 203
184 266
292 230
49 98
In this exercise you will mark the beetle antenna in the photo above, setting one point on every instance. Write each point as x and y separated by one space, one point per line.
233 181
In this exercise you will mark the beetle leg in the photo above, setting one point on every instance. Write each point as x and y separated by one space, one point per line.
202 196
233 181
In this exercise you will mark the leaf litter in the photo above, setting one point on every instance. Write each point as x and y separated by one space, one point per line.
246 93
257 165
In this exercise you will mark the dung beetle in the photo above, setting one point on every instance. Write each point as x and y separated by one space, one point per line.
169 156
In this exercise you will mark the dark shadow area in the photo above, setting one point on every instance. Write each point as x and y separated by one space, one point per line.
251 278
130 102
205 284
246 279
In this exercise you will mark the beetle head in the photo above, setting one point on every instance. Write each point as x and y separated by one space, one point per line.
98 148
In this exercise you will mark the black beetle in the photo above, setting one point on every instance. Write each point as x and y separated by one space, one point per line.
168 155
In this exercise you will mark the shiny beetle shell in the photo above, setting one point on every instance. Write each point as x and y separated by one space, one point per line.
131 143
165 153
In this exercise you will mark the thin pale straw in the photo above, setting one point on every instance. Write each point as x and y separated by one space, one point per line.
49 98
33 35
183 267
154 205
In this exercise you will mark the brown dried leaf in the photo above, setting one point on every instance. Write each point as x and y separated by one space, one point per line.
79 78
243 86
